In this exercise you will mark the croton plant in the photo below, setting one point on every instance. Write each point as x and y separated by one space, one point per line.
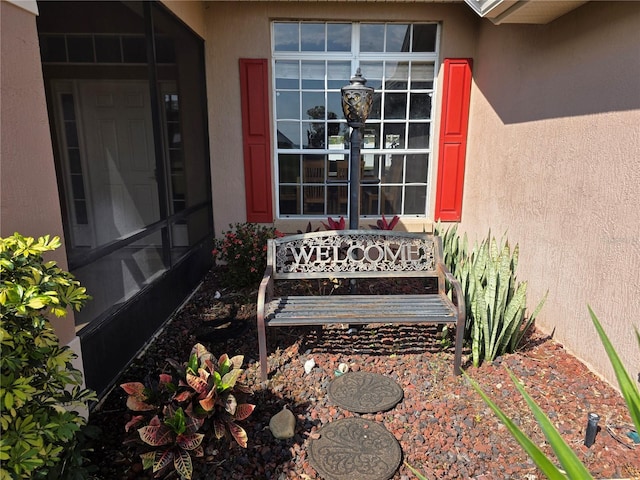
203 395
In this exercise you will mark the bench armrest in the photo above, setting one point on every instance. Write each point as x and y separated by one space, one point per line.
265 292
456 288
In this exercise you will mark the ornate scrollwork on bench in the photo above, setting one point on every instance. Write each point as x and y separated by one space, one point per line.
363 252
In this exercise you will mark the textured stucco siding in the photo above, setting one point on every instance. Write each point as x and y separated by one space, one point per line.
28 186
554 160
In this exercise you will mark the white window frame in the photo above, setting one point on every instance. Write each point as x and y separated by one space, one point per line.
356 58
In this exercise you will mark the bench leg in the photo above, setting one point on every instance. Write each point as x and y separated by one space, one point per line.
262 347
457 359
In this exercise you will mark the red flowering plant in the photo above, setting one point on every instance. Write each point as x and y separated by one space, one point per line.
244 250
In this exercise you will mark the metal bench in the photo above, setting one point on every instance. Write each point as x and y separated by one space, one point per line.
357 254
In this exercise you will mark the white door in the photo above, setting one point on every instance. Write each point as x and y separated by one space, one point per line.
119 157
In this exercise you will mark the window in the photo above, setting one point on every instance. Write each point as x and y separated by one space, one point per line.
311 62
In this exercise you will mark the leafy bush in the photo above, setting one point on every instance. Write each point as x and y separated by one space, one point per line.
496 301
41 392
573 468
203 394
244 249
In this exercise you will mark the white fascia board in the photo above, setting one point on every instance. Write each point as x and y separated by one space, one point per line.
29 5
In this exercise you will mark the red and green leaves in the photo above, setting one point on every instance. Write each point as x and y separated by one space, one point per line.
206 389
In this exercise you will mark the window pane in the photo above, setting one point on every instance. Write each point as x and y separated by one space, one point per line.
314 134
424 38
313 166
108 49
337 199
77 186
288 135
287 105
313 203
395 105
71 134
286 37
338 74
372 71
417 168
422 75
74 160
371 136
313 105
369 199
394 135
397 75
415 200
393 169
372 37
134 50
53 48
289 168
339 37
334 106
287 75
80 48
289 200
398 38
391 202
313 75
420 106
312 36
418 135
82 218
68 111
165 51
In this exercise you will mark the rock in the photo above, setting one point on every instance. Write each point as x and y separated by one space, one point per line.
283 424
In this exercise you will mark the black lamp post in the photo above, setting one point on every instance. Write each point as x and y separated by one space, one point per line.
356 105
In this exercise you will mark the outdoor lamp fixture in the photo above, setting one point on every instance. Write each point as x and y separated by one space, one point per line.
356 105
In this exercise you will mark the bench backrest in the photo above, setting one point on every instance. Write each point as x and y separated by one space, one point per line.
354 253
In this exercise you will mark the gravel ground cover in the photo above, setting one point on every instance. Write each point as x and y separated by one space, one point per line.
444 428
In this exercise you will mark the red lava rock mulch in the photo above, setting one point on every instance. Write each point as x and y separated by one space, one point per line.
444 428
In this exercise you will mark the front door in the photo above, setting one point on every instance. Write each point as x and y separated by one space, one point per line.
119 157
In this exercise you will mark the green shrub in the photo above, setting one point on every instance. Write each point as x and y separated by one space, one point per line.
40 392
496 301
244 250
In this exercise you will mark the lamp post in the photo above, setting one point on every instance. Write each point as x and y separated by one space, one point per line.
356 105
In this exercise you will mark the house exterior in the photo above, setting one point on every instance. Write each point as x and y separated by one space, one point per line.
519 117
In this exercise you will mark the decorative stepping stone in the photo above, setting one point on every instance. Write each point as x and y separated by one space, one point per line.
355 448
364 392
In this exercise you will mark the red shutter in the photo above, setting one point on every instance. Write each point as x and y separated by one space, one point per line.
454 122
254 93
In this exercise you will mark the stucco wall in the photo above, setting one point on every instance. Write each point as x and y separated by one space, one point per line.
553 158
28 189
242 30
191 12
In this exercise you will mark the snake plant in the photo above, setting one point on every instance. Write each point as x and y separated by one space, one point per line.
496 301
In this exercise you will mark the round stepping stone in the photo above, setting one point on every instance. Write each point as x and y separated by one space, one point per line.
364 392
355 448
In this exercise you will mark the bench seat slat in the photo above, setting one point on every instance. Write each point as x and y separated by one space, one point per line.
359 309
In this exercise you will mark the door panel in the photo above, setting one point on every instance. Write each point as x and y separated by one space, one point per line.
116 117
